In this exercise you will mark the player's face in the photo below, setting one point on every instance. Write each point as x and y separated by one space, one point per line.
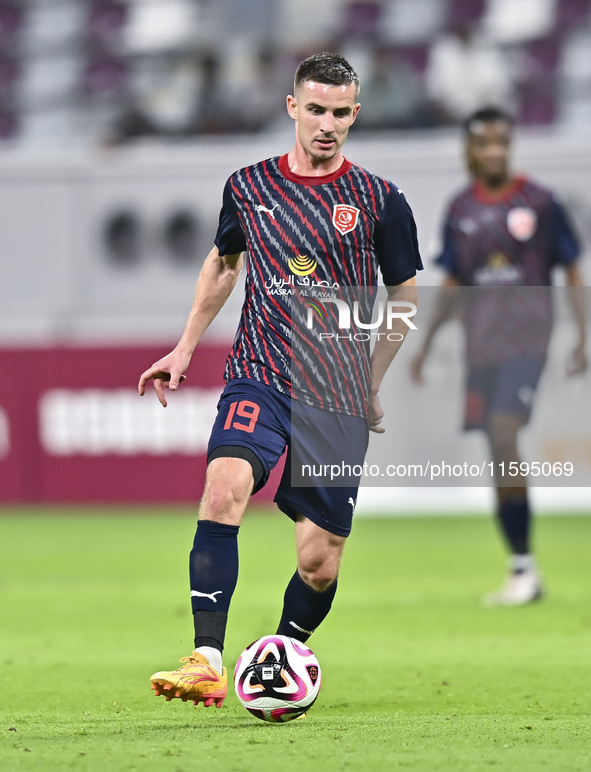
323 115
487 151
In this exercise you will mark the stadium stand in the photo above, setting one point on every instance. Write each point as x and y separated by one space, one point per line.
113 71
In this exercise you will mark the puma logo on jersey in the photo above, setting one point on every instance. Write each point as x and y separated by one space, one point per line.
351 501
261 208
211 596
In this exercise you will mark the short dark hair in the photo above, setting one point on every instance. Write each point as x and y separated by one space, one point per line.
327 68
488 114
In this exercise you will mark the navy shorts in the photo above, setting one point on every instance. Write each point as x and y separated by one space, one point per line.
508 387
255 416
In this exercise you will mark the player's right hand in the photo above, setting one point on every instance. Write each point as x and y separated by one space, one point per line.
165 373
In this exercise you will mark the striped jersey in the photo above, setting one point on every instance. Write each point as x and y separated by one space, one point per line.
505 247
309 237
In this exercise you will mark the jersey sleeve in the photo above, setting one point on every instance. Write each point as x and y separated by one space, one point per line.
447 258
396 241
230 238
564 243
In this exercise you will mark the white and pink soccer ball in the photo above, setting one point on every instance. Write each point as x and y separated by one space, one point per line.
277 678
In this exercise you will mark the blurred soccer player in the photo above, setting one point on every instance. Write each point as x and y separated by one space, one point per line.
309 213
505 230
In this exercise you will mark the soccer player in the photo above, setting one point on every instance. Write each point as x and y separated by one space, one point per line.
308 215
505 230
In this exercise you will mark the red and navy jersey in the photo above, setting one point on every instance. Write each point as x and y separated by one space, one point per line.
338 230
512 241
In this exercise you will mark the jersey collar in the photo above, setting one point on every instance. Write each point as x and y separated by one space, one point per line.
305 180
486 197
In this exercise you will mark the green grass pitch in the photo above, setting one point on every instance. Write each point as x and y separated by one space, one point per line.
417 676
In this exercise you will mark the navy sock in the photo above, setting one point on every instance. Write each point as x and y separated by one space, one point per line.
304 608
213 571
515 519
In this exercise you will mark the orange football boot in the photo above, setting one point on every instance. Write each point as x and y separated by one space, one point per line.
195 680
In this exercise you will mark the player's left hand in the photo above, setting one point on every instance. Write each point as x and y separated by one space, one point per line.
578 361
375 414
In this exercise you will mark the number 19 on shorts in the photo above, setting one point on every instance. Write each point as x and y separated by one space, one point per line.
243 409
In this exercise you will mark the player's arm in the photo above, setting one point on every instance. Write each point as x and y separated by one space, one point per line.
446 304
574 278
217 279
566 249
386 348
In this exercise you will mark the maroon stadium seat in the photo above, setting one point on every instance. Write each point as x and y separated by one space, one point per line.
361 19
572 13
460 12
106 19
11 17
105 75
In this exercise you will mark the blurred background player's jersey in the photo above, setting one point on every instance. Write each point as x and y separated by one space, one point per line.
504 249
306 239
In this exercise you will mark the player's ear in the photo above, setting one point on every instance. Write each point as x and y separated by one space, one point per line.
292 107
355 112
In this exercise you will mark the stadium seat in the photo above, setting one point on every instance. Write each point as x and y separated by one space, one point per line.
105 75
11 17
361 19
417 57
9 71
460 12
106 19
537 109
542 57
538 89
572 13
8 124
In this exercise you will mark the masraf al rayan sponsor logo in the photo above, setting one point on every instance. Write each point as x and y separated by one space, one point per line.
300 281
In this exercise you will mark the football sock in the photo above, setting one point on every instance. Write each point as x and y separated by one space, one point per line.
210 629
304 608
214 656
519 564
213 571
515 518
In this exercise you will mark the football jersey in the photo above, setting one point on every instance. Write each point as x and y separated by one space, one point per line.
328 232
511 241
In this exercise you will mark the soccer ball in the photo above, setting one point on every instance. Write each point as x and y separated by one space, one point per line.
277 678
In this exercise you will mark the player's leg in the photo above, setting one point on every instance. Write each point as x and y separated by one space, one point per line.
512 501
213 571
311 590
512 402
213 562
323 514
246 442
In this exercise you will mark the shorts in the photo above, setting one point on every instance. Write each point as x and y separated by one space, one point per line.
508 387
255 416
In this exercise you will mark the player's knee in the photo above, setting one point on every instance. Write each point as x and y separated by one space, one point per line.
503 442
503 432
224 500
317 573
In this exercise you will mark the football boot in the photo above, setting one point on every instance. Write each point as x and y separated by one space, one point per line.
194 681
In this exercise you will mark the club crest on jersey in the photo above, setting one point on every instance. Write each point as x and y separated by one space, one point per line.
344 218
522 223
